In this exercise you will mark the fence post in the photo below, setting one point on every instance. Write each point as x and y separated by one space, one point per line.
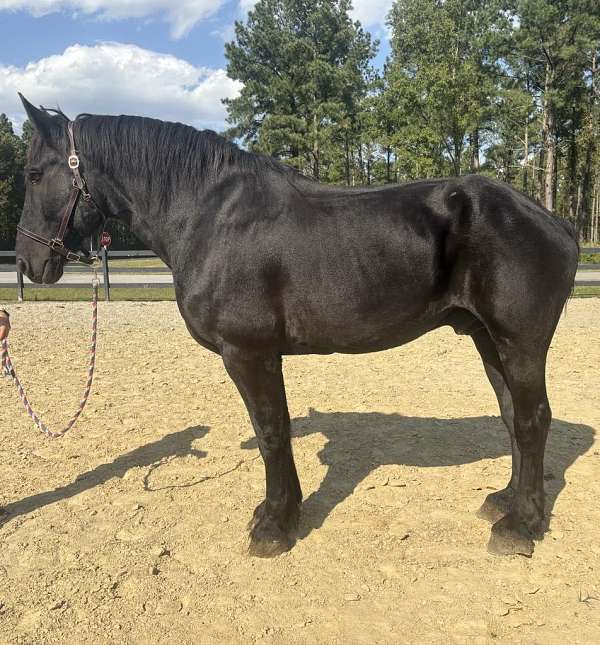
105 274
20 285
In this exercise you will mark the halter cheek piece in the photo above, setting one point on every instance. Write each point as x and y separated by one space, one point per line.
79 190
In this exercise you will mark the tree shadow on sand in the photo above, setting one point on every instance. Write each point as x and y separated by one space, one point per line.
360 442
176 444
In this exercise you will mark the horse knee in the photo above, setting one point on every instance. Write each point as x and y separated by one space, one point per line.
531 430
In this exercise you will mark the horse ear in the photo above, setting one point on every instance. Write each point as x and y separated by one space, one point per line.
41 120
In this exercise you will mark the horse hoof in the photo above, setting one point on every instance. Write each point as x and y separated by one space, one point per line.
268 541
495 506
267 538
507 539
268 548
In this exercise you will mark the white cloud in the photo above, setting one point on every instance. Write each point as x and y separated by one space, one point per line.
114 78
371 12
246 6
182 15
226 33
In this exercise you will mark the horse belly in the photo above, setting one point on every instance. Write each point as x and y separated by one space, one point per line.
353 313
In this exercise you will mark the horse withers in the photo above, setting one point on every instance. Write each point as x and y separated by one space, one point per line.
267 262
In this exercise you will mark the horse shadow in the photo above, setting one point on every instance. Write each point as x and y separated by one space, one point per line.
360 442
357 444
176 444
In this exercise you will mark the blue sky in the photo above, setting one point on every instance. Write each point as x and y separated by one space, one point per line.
160 58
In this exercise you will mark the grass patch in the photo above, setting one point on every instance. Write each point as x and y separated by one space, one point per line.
117 263
135 263
151 295
587 292
589 258
71 295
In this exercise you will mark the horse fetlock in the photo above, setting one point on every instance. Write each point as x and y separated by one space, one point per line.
286 515
530 514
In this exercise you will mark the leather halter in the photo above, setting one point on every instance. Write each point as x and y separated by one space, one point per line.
79 190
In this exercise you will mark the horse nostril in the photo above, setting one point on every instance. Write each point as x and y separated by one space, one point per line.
22 265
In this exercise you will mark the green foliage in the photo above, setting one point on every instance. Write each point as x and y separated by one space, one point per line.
305 69
589 258
504 87
12 161
445 64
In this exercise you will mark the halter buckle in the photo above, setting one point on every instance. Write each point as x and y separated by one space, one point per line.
73 161
56 244
73 257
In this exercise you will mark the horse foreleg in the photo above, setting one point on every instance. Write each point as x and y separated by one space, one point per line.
259 380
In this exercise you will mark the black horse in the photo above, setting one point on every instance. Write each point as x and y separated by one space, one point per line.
267 262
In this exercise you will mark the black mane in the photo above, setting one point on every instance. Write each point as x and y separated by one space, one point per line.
166 154
160 147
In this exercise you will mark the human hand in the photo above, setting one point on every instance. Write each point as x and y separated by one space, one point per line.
4 325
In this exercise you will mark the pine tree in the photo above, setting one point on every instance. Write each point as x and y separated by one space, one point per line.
442 64
557 41
12 161
305 69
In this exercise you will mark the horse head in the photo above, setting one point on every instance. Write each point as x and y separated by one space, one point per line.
52 200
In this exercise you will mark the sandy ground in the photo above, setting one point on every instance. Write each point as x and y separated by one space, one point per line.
132 528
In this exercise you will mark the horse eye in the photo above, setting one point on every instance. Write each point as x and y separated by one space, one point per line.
35 176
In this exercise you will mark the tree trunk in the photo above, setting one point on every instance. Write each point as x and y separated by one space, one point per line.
554 180
361 162
526 144
347 161
549 167
526 159
548 144
582 216
584 202
509 167
315 150
457 155
594 235
388 156
474 141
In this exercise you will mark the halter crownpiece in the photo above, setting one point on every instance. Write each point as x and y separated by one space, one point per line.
79 190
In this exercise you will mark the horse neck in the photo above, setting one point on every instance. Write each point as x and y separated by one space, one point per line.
155 219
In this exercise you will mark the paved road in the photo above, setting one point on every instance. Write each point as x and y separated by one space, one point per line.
9 278
593 276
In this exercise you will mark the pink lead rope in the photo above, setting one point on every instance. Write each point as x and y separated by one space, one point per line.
10 371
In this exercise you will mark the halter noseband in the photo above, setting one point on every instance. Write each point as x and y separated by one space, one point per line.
79 190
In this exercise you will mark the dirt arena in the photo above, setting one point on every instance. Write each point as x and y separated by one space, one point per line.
132 528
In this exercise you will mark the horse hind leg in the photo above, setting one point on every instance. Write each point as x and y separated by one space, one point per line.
499 503
524 367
